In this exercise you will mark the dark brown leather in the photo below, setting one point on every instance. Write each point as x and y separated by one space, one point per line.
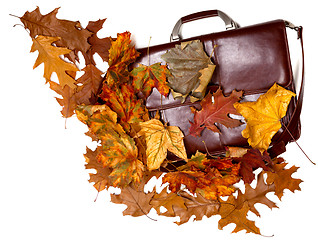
250 58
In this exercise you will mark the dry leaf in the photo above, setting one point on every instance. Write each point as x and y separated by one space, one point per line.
124 102
216 112
263 116
137 201
50 56
145 78
282 179
257 195
99 46
159 140
121 54
197 206
91 80
119 151
191 70
231 213
71 34
167 200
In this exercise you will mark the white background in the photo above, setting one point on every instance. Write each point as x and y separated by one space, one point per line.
43 183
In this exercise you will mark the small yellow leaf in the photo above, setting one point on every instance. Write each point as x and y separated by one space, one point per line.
263 116
159 139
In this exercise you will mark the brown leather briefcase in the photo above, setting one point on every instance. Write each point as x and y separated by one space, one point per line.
250 58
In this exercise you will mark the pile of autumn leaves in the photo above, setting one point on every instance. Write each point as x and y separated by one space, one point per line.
132 148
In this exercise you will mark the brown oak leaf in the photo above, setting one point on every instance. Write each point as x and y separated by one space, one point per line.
282 178
256 195
100 46
231 213
101 177
195 205
71 34
91 80
136 199
216 112
167 200
68 100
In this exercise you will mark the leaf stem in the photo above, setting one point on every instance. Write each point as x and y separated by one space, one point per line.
297 143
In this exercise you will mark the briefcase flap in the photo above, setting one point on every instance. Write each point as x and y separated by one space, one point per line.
250 58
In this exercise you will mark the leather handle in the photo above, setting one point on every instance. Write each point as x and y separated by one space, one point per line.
176 32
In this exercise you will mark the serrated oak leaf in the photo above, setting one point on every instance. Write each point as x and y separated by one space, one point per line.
100 46
231 213
119 151
169 201
147 77
216 112
282 179
101 177
197 206
191 70
137 201
256 195
68 100
91 82
263 116
71 34
160 139
50 56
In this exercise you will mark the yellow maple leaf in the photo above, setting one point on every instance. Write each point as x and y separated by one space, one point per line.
159 139
263 116
50 56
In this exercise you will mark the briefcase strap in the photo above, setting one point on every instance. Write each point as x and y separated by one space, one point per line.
294 123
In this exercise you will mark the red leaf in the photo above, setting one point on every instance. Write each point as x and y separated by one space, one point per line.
216 112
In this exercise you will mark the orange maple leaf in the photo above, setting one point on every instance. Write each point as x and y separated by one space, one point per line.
121 54
147 77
